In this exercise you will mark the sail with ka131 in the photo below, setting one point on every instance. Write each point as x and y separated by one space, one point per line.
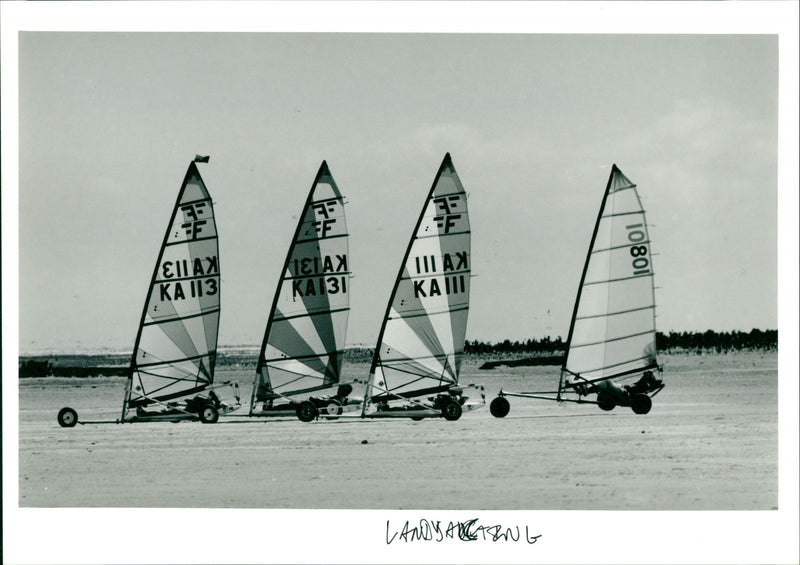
612 336
300 364
416 363
171 375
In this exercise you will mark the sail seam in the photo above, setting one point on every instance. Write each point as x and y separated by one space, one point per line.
429 275
321 238
622 214
621 246
442 234
308 314
178 318
296 357
328 274
616 280
179 360
619 365
427 313
616 313
194 201
614 339
190 240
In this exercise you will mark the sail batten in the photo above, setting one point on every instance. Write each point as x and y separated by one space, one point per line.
180 321
303 345
421 340
612 332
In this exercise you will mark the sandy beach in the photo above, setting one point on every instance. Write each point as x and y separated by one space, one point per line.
710 442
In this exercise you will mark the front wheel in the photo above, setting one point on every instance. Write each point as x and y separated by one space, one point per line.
500 407
641 404
67 418
605 402
451 410
209 414
306 411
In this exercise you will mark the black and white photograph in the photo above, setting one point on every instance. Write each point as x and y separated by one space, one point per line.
379 282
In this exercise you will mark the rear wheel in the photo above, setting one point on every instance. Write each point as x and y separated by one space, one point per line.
306 411
605 402
451 410
500 407
209 414
641 404
67 417
332 410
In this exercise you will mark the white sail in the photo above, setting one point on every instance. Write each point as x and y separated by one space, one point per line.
304 340
613 330
421 342
175 350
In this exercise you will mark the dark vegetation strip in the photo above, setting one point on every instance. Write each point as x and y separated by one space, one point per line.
545 351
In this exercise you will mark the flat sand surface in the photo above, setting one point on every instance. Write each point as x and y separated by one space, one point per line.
710 442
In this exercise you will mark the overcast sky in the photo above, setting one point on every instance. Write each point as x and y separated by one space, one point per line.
109 122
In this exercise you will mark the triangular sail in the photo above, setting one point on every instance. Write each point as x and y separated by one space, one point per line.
421 342
304 339
175 350
613 329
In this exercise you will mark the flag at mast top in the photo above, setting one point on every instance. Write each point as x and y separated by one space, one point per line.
201 158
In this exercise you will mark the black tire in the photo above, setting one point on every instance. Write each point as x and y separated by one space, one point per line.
209 414
332 410
451 410
306 411
67 418
641 404
500 407
606 402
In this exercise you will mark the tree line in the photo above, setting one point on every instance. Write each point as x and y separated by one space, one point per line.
754 340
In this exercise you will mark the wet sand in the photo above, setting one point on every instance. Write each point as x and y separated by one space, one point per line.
709 443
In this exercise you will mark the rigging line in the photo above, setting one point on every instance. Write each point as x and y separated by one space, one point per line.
179 318
406 359
618 280
614 339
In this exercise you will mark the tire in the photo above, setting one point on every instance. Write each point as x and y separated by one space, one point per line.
67 418
332 410
606 402
417 418
209 414
500 407
306 411
451 410
641 404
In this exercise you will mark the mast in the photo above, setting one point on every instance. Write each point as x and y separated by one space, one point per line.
583 277
189 173
323 176
376 358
